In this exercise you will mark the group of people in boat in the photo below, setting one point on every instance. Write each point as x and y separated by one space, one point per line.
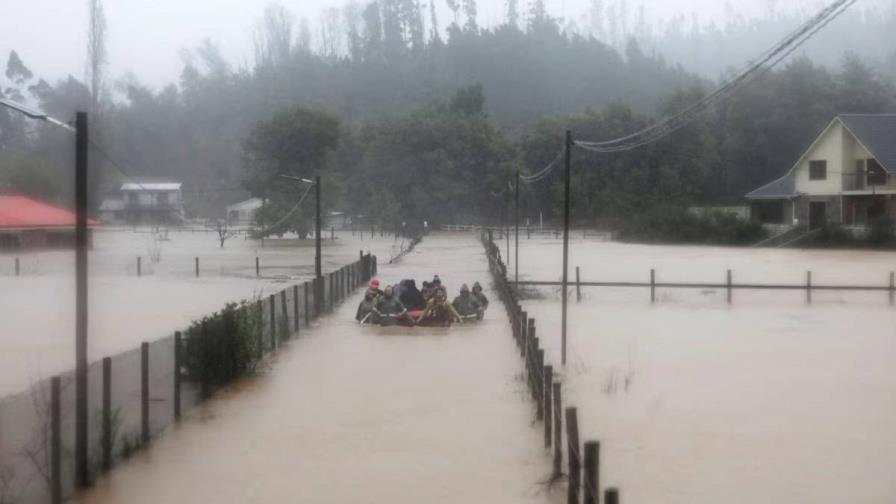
405 304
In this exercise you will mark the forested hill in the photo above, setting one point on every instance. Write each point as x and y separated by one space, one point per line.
417 124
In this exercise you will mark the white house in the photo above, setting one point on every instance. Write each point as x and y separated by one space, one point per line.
847 176
145 202
243 213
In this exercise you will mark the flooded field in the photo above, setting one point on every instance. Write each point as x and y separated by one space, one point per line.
37 316
697 401
361 414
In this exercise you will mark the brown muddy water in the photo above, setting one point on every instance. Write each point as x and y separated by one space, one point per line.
697 401
37 316
360 414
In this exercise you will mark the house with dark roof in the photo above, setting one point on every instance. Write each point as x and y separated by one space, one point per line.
847 176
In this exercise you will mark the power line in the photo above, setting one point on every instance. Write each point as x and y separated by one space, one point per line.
758 67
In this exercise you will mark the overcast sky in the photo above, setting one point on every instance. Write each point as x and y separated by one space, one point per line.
146 37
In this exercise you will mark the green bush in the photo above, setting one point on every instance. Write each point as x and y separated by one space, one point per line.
678 225
881 231
224 346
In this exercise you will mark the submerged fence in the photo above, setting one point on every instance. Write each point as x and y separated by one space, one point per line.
583 459
728 286
135 395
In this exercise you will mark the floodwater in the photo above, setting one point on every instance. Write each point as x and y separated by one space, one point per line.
37 316
696 401
361 414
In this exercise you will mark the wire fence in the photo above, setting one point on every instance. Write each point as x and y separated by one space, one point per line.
135 395
545 386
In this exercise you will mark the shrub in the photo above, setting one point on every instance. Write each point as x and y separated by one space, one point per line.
881 231
224 346
678 225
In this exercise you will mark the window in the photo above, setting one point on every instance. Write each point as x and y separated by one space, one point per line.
818 170
877 176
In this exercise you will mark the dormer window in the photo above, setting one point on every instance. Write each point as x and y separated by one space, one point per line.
818 170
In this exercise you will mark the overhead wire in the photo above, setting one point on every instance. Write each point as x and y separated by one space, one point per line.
758 67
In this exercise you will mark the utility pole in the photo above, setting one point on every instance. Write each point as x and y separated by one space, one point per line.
82 472
516 234
568 163
318 296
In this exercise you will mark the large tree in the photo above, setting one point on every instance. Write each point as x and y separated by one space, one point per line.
296 142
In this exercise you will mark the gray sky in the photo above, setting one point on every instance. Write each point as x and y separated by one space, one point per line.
146 37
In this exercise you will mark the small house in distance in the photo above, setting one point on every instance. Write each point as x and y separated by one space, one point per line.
145 202
243 213
847 177
26 223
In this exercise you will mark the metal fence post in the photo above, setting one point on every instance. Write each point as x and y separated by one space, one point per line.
273 310
144 392
106 462
295 307
307 303
55 440
178 363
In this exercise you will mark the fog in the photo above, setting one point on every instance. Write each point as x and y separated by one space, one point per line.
146 38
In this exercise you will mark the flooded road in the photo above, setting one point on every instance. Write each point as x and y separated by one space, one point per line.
37 315
698 401
361 414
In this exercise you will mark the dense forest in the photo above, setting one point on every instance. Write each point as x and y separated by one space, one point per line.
408 121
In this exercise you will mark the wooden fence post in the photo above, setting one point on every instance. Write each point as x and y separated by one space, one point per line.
578 286
56 440
295 307
257 267
273 302
892 287
652 286
809 287
139 266
729 286
548 387
558 431
178 363
197 267
611 496
524 338
574 463
144 393
307 302
18 267
592 472
106 462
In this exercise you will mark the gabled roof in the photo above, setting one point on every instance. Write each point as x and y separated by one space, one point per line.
23 212
877 132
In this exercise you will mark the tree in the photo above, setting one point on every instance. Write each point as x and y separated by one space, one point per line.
298 142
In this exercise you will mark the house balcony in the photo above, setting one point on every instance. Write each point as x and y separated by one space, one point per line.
863 183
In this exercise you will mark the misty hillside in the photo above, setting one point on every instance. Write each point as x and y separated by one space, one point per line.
499 97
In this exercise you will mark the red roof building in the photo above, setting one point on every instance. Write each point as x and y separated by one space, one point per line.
28 223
